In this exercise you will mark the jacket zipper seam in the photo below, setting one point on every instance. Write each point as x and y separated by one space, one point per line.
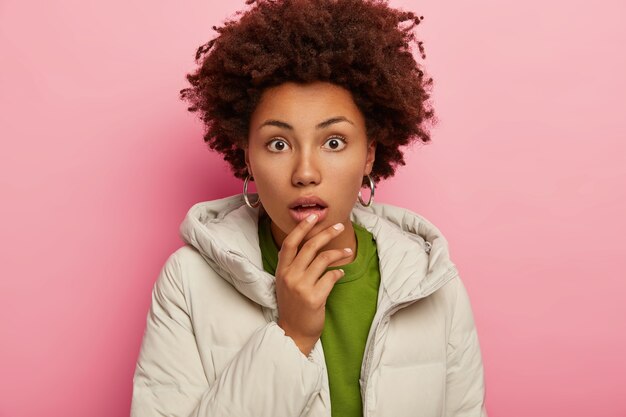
370 352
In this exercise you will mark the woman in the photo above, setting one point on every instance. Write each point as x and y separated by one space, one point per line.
299 301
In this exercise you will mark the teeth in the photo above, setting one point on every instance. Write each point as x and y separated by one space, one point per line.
309 205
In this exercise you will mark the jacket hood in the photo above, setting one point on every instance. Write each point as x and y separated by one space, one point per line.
413 254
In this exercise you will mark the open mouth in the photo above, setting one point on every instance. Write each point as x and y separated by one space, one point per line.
304 207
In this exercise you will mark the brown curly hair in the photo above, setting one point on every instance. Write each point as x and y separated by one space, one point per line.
361 45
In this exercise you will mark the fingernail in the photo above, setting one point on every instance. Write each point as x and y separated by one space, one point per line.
338 226
342 272
311 218
348 250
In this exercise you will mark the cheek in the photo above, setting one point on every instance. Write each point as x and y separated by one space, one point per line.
264 172
270 185
350 175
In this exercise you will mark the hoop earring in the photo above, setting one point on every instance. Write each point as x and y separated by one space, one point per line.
372 188
245 194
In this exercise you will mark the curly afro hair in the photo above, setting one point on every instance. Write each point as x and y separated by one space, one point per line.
361 45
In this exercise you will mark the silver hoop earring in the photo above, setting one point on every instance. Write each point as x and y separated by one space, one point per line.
245 194
372 188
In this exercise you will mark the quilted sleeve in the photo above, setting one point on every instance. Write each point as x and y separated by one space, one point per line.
269 376
465 387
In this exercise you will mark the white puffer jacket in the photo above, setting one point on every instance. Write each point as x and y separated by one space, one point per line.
212 347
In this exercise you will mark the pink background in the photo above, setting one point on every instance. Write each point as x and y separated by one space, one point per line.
525 177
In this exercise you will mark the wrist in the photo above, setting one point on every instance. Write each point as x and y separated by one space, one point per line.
304 344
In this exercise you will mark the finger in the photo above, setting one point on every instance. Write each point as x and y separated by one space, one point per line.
326 283
292 241
311 247
322 261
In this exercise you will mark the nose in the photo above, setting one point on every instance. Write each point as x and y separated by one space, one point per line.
306 170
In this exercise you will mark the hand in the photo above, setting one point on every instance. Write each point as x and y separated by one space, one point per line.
301 289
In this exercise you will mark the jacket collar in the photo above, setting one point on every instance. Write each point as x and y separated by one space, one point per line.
413 254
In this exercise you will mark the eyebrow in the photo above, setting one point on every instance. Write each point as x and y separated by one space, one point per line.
322 125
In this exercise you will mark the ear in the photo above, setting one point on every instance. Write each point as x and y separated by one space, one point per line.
247 159
371 156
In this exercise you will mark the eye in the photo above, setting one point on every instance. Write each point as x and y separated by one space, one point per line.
335 143
277 145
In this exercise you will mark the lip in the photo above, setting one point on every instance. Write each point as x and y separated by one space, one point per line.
300 214
308 200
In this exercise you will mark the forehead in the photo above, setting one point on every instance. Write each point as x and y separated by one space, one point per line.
312 102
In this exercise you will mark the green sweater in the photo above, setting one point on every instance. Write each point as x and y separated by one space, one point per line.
350 308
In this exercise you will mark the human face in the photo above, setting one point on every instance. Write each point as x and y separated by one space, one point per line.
308 141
